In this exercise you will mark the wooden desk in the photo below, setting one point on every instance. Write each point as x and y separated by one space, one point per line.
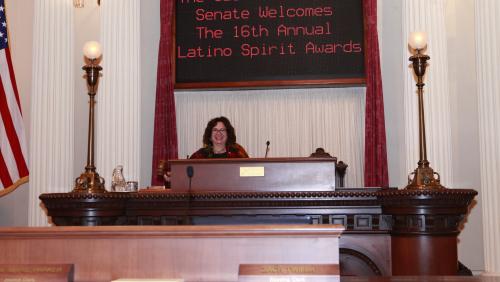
388 231
419 279
195 253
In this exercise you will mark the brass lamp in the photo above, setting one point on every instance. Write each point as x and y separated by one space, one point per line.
424 177
90 181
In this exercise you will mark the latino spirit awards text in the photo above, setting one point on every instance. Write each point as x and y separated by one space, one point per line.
262 31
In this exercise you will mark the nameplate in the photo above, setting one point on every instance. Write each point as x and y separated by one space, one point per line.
288 273
251 171
36 273
147 280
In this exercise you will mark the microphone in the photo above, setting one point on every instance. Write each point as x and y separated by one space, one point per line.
267 148
190 171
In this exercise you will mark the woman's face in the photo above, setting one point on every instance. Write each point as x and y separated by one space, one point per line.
219 134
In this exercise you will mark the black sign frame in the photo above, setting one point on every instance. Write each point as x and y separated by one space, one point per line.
205 30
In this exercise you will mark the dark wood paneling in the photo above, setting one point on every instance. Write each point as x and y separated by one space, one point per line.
435 255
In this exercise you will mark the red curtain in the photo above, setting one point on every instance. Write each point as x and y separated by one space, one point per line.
376 173
165 131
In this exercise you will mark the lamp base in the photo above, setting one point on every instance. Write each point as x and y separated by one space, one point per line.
89 182
424 177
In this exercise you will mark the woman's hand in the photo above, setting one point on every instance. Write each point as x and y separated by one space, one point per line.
167 176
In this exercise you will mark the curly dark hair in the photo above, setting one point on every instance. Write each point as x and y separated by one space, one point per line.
231 136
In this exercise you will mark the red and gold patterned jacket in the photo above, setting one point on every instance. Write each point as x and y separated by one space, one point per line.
233 151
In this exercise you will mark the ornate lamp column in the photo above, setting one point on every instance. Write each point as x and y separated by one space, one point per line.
90 181
424 177
426 217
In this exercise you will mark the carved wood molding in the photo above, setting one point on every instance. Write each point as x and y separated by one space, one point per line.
359 210
345 253
426 212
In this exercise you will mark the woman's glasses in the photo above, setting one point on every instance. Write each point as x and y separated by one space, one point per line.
222 130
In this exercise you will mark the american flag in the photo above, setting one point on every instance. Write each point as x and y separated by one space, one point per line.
13 153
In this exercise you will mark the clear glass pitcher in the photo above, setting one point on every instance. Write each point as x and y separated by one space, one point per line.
118 183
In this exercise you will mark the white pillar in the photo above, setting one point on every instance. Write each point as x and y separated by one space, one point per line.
52 104
429 16
118 98
488 72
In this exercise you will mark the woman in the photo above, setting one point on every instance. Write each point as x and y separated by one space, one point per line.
219 141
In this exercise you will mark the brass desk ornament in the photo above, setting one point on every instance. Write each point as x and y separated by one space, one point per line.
90 181
424 177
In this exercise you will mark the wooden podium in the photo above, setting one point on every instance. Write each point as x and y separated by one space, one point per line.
270 174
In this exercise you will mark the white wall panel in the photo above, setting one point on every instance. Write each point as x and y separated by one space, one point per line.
488 73
295 121
119 99
52 104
